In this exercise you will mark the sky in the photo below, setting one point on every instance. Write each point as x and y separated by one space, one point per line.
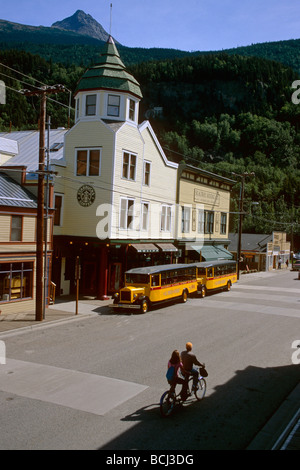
191 25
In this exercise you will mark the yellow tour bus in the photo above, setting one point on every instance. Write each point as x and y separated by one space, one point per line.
215 275
152 285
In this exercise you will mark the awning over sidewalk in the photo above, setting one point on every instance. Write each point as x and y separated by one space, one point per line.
145 247
167 247
211 252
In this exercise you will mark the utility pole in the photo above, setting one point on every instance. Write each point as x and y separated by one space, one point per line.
39 294
241 208
241 213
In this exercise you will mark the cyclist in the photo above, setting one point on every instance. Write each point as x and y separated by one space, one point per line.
189 360
176 361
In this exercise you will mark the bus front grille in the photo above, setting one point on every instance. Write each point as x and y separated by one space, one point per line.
125 296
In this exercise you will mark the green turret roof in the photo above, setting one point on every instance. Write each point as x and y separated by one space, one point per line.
109 74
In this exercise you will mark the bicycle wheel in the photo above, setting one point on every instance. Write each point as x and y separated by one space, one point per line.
167 404
201 390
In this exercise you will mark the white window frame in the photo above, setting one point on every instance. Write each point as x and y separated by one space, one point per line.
86 104
113 106
223 226
146 162
130 110
128 212
145 215
185 219
127 176
77 108
201 221
88 150
166 218
209 226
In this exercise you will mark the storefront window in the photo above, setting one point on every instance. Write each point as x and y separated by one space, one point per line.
16 281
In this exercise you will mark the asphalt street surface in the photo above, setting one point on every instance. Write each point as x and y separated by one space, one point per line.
95 383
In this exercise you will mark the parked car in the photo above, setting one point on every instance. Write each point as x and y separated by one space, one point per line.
296 256
296 266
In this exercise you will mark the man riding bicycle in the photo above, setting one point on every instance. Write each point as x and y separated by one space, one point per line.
189 360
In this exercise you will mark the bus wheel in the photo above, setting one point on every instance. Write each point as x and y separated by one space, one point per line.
144 306
184 296
228 286
203 292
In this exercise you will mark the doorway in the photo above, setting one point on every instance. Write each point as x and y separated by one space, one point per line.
88 281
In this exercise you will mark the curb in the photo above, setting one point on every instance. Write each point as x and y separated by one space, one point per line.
273 435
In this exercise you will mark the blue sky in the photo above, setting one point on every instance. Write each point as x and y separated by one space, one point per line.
186 25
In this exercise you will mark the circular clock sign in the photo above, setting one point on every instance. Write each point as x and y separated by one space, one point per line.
86 195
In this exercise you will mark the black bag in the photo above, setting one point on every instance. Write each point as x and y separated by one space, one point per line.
203 372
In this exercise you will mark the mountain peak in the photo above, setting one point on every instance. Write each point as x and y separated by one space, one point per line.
83 23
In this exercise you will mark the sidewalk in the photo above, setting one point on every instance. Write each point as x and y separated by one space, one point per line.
63 311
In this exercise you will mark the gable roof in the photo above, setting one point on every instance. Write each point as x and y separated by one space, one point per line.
13 194
8 146
250 242
28 145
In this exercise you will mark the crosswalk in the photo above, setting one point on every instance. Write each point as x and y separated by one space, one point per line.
257 299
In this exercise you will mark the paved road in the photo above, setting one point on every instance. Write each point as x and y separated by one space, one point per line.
96 383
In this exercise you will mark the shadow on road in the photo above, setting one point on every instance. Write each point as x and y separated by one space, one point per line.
227 419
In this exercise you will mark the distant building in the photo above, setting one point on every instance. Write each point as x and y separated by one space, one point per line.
203 201
261 252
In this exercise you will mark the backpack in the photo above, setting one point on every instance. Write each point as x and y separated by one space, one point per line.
170 373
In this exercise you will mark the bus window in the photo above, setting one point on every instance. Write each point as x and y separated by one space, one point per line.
155 280
201 271
209 272
133 278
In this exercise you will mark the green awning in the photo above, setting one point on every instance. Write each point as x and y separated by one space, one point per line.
210 252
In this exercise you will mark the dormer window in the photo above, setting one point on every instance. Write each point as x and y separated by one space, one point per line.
113 105
90 105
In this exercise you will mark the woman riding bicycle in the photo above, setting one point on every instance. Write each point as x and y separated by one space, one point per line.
176 362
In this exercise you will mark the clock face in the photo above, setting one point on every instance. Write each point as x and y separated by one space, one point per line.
86 195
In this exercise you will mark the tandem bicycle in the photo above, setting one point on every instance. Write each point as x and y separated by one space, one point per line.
170 399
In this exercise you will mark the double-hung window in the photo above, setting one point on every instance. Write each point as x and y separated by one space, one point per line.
132 106
16 228
113 105
223 223
147 171
126 213
145 215
209 222
186 219
129 166
88 162
90 105
165 222
200 221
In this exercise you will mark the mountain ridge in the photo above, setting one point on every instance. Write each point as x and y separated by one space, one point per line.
82 23
83 47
